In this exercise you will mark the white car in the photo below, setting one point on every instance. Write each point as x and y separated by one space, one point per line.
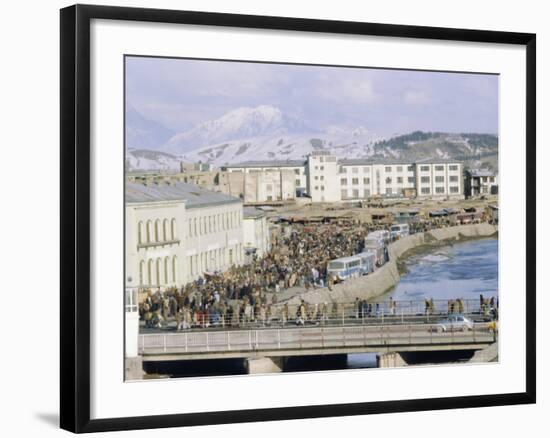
453 323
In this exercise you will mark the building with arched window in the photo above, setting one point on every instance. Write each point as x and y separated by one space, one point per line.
175 232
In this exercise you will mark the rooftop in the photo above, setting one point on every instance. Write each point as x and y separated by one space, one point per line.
250 212
194 196
267 163
480 172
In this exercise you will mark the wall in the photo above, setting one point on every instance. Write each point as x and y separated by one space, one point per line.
30 99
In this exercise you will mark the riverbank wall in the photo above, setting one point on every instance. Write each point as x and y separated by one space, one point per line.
386 277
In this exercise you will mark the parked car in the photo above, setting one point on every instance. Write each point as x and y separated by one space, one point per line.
453 323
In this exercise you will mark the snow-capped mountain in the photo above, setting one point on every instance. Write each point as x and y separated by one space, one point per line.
282 147
143 133
143 159
240 123
266 133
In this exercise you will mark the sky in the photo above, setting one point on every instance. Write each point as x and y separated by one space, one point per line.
181 93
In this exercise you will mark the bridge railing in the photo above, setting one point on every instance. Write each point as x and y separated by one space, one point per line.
289 315
310 338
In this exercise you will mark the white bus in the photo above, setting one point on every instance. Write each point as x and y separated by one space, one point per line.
353 266
399 230
382 236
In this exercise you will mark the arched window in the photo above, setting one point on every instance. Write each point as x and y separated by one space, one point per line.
165 230
157 272
150 272
195 227
173 230
141 273
174 269
149 231
157 230
140 232
166 264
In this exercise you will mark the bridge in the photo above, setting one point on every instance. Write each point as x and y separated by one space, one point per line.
314 340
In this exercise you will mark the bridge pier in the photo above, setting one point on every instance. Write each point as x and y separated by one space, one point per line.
133 368
390 360
264 365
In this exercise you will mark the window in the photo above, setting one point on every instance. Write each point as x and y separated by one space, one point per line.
157 272
355 193
316 187
149 231
399 168
425 179
453 167
343 181
297 182
399 180
387 169
355 181
297 171
440 190
343 169
354 169
322 167
410 179
140 233
322 188
165 230
453 189
366 193
366 180
439 168
453 178
424 168
439 179
344 194
410 168
173 230
141 273
150 272
166 265
425 190
366 169
316 177
157 230
388 191
322 177
388 180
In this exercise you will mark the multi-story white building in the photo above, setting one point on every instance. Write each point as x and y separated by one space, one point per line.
256 231
328 179
175 232
297 167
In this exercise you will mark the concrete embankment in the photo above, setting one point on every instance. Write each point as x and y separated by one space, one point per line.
386 277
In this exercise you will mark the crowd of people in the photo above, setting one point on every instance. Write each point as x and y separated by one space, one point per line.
298 258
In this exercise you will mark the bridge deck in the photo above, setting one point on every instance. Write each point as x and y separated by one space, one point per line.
308 341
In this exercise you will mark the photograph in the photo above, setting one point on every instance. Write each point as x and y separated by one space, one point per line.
285 218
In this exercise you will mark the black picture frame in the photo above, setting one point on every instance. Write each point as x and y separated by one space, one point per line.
75 216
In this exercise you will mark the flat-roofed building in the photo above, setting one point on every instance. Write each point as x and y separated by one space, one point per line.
479 182
439 178
175 232
296 167
256 239
325 178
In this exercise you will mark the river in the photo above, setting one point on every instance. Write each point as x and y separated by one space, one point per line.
462 270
